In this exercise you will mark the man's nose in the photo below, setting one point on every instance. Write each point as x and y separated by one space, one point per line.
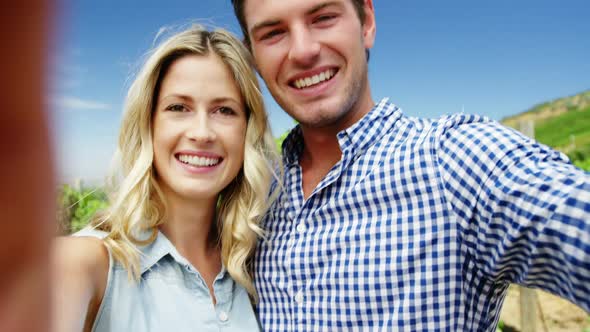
304 48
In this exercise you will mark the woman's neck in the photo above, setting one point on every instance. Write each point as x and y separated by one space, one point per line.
189 225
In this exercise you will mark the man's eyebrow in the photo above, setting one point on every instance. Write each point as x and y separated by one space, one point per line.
313 10
321 6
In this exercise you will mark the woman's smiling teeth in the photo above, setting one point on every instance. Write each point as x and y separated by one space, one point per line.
315 79
198 161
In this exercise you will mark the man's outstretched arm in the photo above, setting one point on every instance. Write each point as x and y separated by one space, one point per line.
524 210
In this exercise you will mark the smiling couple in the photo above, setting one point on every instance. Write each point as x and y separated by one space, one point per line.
377 220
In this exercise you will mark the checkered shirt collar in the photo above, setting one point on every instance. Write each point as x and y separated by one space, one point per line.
354 139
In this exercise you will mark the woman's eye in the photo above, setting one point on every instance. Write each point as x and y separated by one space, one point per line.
176 108
226 110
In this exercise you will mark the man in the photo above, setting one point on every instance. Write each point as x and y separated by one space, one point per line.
387 222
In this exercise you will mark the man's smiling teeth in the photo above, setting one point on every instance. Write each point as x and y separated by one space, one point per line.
198 161
315 79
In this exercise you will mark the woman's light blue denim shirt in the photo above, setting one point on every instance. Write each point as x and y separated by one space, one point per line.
171 295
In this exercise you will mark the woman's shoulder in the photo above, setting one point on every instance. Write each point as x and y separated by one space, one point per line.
80 267
81 255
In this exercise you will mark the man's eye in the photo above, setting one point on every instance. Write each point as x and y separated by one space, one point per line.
324 18
176 108
271 34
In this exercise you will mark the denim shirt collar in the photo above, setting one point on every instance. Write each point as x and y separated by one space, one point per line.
161 247
152 253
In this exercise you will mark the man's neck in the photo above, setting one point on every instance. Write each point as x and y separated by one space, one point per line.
321 148
320 154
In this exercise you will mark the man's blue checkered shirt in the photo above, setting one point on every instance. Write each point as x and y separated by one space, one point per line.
422 226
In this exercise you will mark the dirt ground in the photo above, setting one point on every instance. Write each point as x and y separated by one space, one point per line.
557 314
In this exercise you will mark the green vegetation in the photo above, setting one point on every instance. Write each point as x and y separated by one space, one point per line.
569 128
279 141
563 124
583 164
77 206
569 133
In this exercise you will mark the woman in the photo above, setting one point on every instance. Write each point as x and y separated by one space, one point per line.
196 158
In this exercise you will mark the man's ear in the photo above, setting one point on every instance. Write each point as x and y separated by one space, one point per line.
369 25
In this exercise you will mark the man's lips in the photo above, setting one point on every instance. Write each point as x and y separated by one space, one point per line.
311 79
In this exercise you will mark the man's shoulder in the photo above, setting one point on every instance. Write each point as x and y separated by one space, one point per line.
449 121
461 126
444 125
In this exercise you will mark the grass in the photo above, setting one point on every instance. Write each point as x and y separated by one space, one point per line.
558 132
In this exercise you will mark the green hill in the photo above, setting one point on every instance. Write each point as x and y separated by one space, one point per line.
563 124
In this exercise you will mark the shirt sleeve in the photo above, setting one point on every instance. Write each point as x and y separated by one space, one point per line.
523 209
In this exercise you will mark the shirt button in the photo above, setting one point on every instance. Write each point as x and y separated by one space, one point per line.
301 228
299 297
223 316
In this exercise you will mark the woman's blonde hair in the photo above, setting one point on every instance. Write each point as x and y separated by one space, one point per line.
137 205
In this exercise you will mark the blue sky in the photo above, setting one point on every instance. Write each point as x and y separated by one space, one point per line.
495 58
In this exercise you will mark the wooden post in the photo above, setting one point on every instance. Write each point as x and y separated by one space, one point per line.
529 311
527 127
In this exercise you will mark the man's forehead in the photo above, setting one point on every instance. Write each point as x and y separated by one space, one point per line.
275 10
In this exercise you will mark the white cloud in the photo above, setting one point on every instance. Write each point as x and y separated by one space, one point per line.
77 104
